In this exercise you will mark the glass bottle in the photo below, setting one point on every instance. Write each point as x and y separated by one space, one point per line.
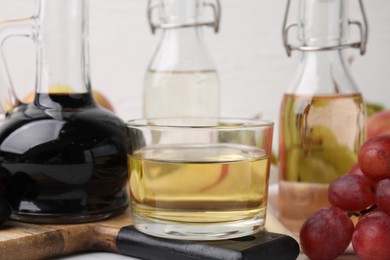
181 79
63 157
323 114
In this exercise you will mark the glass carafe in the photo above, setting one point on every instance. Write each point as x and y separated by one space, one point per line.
181 79
63 157
323 114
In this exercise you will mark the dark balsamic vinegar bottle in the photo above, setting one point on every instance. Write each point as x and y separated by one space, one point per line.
63 157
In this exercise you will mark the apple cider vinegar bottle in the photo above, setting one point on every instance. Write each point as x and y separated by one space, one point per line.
323 114
181 79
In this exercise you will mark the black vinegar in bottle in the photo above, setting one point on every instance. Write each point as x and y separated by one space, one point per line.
323 114
63 157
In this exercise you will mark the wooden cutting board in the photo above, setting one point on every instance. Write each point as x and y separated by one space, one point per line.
36 241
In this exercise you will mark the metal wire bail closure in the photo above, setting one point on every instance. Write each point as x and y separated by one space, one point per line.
215 5
362 44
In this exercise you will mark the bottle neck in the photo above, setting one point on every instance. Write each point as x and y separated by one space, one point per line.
323 73
182 49
62 47
323 23
181 12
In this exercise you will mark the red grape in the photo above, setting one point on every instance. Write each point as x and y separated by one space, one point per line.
383 196
371 238
351 192
374 158
355 170
326 234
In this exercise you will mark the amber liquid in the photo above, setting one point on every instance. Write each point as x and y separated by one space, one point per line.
319 141
199 184
66 163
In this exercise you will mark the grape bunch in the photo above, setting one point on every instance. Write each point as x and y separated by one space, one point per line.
364 193
5 209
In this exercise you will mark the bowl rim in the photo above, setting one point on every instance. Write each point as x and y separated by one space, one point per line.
222 123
